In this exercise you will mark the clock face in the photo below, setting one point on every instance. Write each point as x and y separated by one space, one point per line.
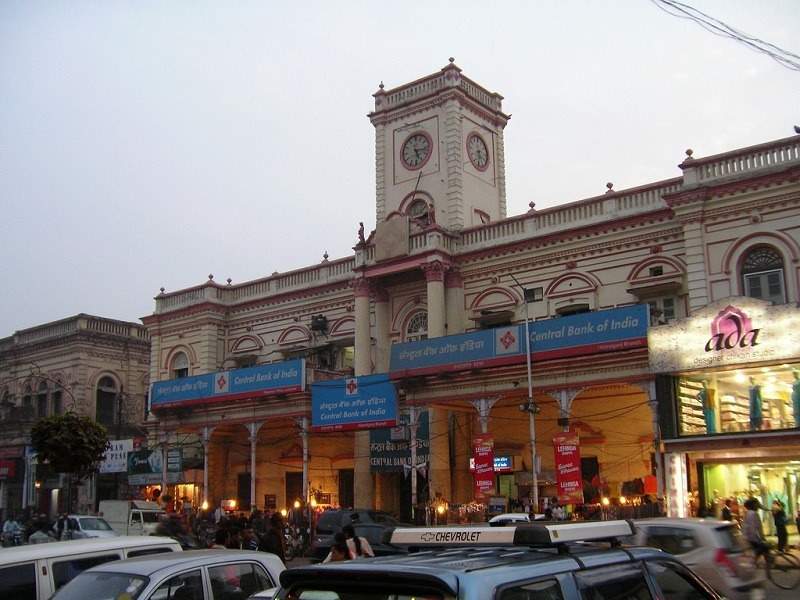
416 151
477 152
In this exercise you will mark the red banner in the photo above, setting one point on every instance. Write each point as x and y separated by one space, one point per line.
568 469
8 469
483 453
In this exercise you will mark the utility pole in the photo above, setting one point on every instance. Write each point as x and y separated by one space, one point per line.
530 406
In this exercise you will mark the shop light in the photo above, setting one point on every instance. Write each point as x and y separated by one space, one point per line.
313 503
204 506
605 501
440 509
740 377
297 503
623 500
37 485
284 512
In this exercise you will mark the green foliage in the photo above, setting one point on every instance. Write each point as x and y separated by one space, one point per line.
70 443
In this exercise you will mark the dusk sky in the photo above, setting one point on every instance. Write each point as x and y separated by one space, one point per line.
148 144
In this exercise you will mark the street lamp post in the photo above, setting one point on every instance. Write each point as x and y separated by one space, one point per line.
530 406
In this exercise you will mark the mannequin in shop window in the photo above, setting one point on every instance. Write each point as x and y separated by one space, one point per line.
705 397
756 414
796 397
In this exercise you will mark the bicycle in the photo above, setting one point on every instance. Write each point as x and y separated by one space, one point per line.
781 568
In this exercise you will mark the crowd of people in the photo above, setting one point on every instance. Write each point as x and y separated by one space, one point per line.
35 529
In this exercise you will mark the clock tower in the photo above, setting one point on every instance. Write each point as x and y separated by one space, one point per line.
439 150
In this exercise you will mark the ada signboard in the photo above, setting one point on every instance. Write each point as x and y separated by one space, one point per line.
732 331
253 382
145 466
576 335
483 453
366 402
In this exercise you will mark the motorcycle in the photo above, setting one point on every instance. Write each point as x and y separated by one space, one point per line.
293 543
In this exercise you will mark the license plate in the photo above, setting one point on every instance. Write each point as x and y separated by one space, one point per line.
757 594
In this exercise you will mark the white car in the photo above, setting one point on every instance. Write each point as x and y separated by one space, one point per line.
513 518
80 527
713 549
192 575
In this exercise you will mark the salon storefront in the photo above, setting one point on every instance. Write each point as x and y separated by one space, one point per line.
728 388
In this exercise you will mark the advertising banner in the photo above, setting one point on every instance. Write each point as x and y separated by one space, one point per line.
116 457
145 466
575 335
483 453
389 448
502 464
568 469
367 402
253 382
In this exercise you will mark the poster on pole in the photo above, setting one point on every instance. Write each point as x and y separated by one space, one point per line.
568 468
483 454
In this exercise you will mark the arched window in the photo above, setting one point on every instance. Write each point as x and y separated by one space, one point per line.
106 404
41 400
27 399
58 400
417 328
180 365
762 274
418 211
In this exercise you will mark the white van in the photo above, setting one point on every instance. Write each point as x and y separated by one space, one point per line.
131 517
36 571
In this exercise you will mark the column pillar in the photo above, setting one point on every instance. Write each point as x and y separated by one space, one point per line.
439 472
252 430
564 399
362 477
649 389
302 424
454 302
382 325
484 407
205 439
164 443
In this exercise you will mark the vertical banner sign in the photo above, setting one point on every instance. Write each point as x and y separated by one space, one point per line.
568 469
483 453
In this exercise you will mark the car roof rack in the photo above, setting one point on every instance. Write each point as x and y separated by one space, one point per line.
553 534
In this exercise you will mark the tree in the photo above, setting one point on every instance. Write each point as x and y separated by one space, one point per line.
70 443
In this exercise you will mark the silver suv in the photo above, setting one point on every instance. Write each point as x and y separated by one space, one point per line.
712 549
532 561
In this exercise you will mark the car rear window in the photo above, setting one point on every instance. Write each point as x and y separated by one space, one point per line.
730 538
102 585
147 551
328 523
94 524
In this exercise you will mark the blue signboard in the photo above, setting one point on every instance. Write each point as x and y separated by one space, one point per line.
575 335
390 448
253 382
355 403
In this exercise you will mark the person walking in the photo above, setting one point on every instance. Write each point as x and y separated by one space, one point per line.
726 514
359 546
751 527
273 540
779 517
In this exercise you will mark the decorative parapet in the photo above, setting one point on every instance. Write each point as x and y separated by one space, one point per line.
73 325
740 163
279 283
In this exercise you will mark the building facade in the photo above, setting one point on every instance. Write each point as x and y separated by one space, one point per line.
86 364
441 298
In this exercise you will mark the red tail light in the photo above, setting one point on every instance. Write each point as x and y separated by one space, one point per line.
724 561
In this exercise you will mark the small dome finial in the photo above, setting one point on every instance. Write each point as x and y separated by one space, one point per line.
162 290
380 85
689 153
325 256
211 277
610 188
229 280
452 60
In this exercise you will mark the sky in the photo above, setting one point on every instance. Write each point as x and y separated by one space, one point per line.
147 144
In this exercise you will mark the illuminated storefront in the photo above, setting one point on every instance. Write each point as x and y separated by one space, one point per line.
729 397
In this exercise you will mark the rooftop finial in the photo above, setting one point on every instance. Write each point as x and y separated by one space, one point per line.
689 153
162 290
610 187
211 277
380 86
229 280
452 60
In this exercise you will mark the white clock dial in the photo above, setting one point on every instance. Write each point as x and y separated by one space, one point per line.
416 150
477 152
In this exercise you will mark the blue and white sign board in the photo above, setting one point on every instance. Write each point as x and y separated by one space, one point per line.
390 448
253 382
355 403
575 335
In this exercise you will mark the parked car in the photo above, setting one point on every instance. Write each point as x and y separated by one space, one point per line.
712 549
192 575
371 524
87 526
35 572
539 560
513 518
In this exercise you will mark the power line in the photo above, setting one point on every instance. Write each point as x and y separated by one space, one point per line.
785 58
